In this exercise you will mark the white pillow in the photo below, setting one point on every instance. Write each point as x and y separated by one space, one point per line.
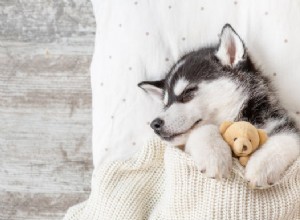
140 40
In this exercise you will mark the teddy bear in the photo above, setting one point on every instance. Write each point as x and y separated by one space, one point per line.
243 138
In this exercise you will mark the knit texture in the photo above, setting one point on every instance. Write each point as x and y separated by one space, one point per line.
162 182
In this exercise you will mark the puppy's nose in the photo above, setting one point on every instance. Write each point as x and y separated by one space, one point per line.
157 124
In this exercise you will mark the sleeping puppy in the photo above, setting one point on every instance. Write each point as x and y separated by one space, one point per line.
214 84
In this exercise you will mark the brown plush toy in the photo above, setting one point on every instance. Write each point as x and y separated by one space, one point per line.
243 138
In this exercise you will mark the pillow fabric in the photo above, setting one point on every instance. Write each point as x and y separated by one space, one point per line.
140 40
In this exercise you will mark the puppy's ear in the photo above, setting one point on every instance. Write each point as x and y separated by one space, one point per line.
223 127
262 136
231 49
153 88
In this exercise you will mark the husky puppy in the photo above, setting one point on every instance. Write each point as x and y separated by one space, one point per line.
214 84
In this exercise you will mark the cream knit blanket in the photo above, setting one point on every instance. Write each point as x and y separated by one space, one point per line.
162 182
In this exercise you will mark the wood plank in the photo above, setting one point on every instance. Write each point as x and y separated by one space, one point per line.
45 107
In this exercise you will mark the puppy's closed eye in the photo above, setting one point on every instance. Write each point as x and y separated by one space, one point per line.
187 94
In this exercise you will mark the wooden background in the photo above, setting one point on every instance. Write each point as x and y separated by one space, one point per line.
45 106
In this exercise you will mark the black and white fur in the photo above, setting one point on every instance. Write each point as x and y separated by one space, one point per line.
214 84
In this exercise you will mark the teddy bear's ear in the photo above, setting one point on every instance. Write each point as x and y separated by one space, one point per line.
223 127
262 136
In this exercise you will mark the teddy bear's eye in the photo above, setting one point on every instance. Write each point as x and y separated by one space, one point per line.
234 139
250 140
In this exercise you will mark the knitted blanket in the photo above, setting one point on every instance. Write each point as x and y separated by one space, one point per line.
162 182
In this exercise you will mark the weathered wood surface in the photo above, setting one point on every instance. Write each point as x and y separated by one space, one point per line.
45 106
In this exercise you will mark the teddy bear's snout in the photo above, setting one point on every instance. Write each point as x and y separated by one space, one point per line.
242 146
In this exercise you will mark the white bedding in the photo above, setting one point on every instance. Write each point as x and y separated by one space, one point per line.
163 183
139 40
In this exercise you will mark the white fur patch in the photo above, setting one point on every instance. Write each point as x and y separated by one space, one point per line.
166 98
180 85
177 66
221 99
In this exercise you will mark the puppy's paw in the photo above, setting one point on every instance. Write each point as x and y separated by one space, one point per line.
267 164
262 172
214 164
210 152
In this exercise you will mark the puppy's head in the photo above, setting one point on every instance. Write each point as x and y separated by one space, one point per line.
196 86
